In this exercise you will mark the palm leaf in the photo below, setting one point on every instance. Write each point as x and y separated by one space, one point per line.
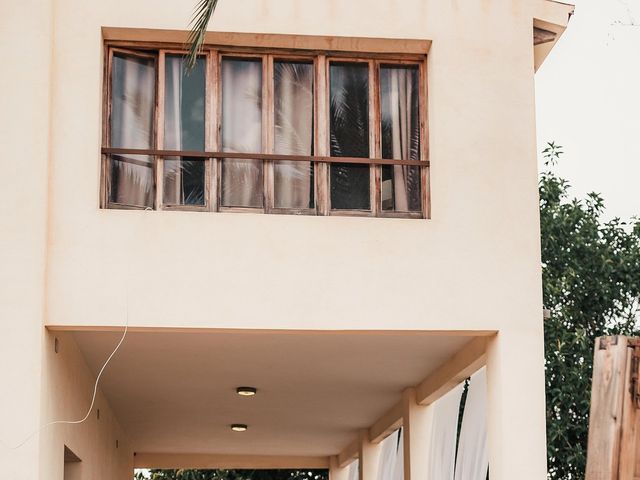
201 15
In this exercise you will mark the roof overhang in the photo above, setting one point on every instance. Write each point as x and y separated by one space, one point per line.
549 23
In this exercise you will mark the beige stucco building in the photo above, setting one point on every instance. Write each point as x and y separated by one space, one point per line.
294 278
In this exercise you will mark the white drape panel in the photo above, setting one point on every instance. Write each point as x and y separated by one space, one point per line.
388 457
398 470
400 100
354 470
401 125
242 132
472 462
173 187
133 99
444 429
293 92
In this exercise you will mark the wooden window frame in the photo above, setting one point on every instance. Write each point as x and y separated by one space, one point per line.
320 160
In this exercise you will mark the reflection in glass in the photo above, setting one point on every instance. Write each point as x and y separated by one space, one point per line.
293 99
349 129
400 116
242 184
184 129
132 110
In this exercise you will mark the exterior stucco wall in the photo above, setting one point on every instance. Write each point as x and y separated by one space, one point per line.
24 138
479 251
473 266
69 386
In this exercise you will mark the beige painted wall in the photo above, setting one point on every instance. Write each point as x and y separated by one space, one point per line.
24 135
69 386
473 266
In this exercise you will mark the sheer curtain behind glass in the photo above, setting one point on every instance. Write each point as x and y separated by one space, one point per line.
293 98
184 129
242 181
472 462
132 112
400 116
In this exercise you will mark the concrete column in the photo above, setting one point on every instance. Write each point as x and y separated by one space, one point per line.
415 431
336 472
369 457
25 53
516 405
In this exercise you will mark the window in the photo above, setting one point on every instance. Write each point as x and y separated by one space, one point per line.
279 131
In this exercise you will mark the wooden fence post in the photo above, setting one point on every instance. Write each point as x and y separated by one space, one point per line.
613 428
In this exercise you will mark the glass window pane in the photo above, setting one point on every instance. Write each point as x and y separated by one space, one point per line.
293 98
184 129
132 112
349 130
400 116
242 131
184 181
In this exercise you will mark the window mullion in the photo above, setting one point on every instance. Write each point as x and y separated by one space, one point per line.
106 129
268 132
375 148
159 129
322 134
425 175
212 125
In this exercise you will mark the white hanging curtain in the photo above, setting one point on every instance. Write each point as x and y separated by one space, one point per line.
293 105
133 97
398 470
242 181
173 186
354 470
401 136
472 462
444 429
388 457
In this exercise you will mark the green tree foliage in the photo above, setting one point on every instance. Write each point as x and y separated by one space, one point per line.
591 285
235 475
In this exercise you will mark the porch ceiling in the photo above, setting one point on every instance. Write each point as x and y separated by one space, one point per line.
174 392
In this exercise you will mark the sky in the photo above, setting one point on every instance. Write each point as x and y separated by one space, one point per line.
588 101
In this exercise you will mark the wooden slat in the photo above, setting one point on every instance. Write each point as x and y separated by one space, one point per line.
459 367
637 451
211 140
211 461
159 128
321 134
425 174
259 156
387 424
540 35
268 132
351 452
375 135
606 414
628 434
399 46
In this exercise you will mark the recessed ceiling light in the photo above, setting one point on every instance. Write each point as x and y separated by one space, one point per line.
247 391
239 427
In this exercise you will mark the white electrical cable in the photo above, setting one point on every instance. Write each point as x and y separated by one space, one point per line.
93 398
